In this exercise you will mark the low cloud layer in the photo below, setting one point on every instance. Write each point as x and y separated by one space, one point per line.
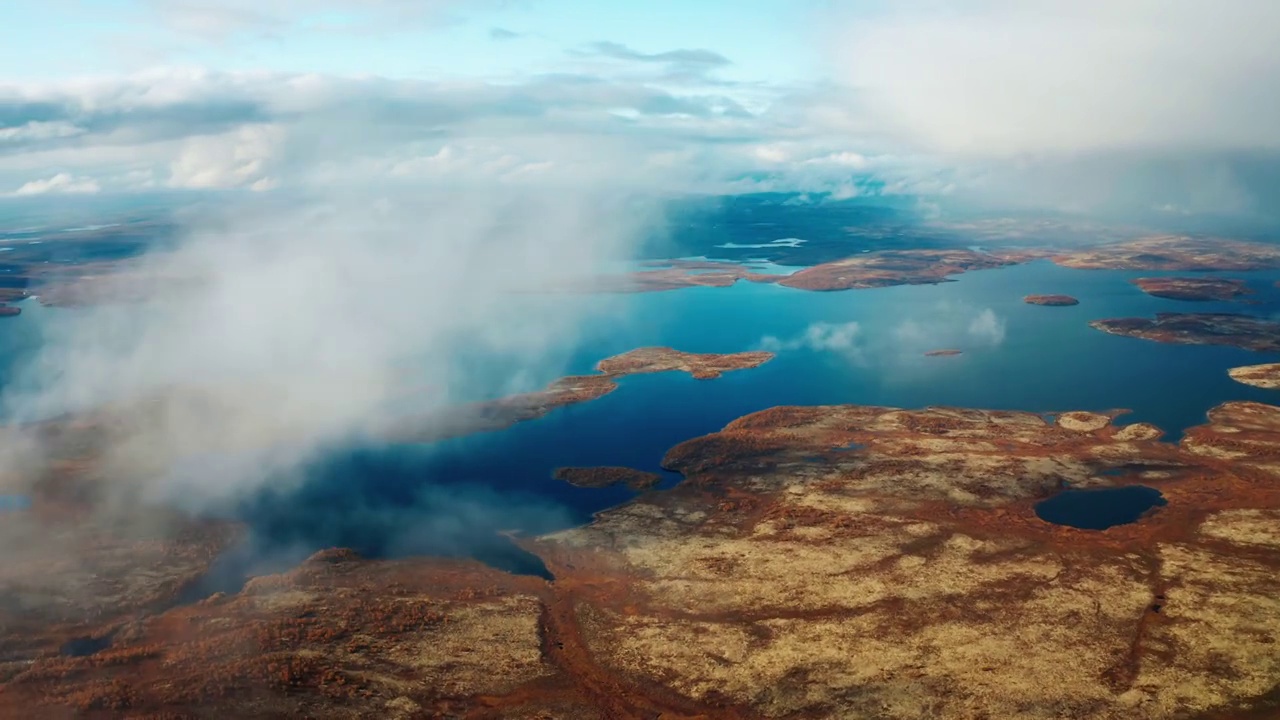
286 328
1001 77
1078 106
207 130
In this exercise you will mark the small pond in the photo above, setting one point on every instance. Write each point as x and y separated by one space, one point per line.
1100 508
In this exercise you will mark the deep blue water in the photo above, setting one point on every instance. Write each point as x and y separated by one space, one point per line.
1099 508
453 497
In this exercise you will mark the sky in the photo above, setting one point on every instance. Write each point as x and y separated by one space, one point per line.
420 39
1140 106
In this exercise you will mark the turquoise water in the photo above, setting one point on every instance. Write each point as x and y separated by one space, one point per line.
453 497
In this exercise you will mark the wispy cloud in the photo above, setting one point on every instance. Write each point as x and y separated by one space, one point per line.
949 325
819 337
987 328
686 58
499 33
60 183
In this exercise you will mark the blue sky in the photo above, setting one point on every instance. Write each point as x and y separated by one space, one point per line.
767 40
106 95
1068 104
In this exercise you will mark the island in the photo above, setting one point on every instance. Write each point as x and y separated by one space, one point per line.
1174 253
603 477
947 352
1242 331
1193 288
504 412
1266 376
674 275
788 576
1051 300
702 366
886 268
9 310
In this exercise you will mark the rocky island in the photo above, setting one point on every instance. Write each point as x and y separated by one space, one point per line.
675 275
947 352
1193 289
895 267
1266 376
788 577
9 310
1051 300
602 477
1243 331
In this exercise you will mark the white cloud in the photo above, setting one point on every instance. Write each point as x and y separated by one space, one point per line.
198 129
949 325
239 159
1008 77
60 183
37 130
819 337
987 328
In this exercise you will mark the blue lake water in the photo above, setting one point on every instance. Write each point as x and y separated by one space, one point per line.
1099 508
452 497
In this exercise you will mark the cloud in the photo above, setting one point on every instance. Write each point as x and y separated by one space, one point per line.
1005 77
819 337
498 33
308 324
685 58
684 66
239 159
987 328
203 129
60 183
36 130
949 325
1080 106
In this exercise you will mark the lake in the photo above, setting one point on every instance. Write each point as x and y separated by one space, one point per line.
858 346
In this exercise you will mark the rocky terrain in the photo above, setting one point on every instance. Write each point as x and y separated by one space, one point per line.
946 352
1051 300
896 267
677 274
601 477
1244 331
838 561
1193 289
1266 376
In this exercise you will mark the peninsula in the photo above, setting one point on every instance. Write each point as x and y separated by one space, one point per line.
602 477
